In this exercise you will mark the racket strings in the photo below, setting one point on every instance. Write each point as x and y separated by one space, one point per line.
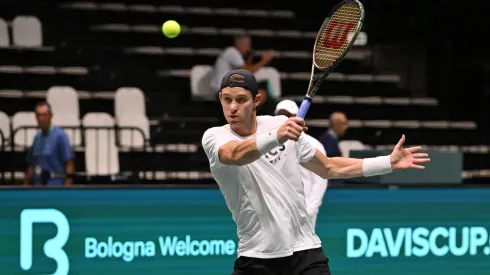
336 36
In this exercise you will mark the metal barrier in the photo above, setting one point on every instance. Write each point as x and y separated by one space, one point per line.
2 160
100 146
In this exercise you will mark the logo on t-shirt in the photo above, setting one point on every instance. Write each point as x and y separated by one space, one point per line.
275 155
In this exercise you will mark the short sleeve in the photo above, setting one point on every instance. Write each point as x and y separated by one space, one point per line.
306 149
212 140
234 58
65 147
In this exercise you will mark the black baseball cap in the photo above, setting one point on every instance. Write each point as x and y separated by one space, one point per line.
240 78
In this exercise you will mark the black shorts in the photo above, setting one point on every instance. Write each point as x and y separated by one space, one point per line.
307 262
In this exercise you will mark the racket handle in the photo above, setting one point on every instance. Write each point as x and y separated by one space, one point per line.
303 109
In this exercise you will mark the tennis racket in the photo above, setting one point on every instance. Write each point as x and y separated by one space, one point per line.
335 38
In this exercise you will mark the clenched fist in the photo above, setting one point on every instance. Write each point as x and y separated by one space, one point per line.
291 130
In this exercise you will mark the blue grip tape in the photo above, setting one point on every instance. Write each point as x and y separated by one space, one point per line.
303 109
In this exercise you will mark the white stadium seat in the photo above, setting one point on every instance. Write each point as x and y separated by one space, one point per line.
129 101
130 110
27 31
272 75
132 138
4 34
347 145
4 128
63 101
101 154
24 137
71 125
66 111
200 77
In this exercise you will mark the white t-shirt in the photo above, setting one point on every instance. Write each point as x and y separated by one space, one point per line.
266 197
230 59
315 186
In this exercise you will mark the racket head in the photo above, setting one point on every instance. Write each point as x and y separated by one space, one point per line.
338 34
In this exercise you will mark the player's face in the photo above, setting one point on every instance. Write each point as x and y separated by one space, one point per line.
238 105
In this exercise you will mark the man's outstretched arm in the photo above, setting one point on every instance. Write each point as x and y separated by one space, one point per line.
339 167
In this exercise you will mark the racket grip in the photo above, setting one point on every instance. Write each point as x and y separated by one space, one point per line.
303 109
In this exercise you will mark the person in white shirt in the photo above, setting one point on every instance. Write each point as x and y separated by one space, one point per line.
232 58
256 162
315 186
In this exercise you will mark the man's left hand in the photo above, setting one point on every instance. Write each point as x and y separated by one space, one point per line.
407 158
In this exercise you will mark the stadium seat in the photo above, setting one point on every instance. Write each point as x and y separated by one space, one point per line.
23 137
200 79
130 111
272 75
66 111
63 101
71 125
129 102
132 138
4 34
101 153
4 128
347 145
27 31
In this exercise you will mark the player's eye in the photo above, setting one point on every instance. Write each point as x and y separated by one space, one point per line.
241 100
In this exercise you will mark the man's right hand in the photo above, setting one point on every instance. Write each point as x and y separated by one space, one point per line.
267 56
291 130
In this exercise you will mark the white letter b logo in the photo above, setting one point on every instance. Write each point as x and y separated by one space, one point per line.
53 248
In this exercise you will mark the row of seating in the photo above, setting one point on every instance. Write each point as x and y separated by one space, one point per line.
129 107
154 14
183 57
43 70
412 112
26 32
318 99
158 58
100 148
148 8
309 36
355 54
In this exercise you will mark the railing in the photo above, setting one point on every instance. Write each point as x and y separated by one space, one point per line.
100 146
136 157
2 149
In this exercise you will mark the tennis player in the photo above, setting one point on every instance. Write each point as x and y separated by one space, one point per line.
256 162
314 185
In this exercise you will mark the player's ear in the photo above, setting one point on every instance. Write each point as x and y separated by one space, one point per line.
257 100
220 95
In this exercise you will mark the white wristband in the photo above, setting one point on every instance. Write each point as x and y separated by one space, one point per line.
267 141
376 166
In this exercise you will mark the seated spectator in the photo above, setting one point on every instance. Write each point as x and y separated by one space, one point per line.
233 58
51 156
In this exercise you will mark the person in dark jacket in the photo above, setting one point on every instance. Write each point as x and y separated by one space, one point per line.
338 125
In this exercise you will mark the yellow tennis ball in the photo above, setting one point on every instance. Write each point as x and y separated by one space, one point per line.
171 29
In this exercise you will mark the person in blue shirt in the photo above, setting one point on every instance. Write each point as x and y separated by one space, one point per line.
338 125
51 156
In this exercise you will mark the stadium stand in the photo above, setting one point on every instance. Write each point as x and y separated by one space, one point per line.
103 64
